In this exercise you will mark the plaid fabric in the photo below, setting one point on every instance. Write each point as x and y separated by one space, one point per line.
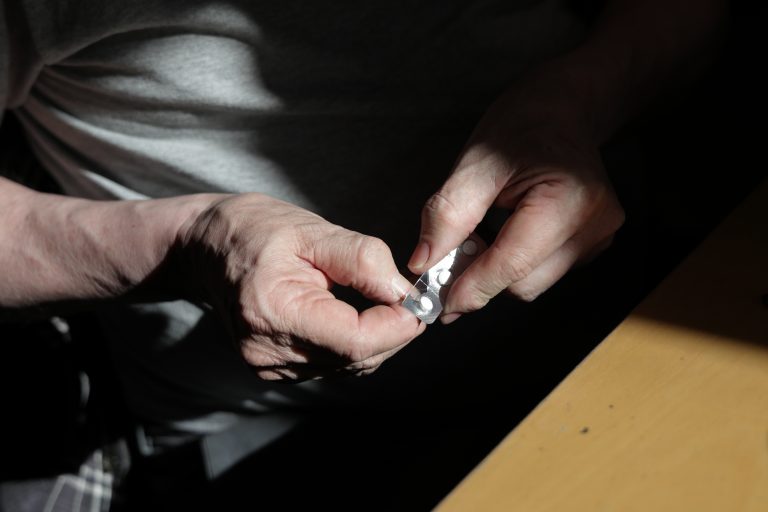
94 488
90 490
60 450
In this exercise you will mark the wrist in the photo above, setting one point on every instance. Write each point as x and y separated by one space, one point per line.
550 102
170 274
58 251
574 93
636 51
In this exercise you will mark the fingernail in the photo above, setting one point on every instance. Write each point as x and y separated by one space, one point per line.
449 318
400 286
419 257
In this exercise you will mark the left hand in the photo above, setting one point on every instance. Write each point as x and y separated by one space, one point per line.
532 154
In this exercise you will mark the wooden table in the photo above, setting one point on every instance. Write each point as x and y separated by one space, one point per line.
669 412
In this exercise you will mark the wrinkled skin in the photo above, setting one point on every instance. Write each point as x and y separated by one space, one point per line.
533 155
268 268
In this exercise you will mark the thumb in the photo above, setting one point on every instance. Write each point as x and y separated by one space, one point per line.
454 211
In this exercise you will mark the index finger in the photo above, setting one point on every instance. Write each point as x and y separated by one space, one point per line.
540 225
355 336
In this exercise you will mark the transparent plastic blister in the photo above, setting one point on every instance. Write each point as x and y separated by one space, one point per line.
427 296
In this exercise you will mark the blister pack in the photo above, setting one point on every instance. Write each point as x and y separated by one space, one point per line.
427 296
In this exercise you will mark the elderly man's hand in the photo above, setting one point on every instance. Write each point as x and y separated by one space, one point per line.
532 154
268 267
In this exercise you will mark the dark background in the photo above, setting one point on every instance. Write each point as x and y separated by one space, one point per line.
679 169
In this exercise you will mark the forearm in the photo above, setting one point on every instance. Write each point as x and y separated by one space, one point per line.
636 50
56 250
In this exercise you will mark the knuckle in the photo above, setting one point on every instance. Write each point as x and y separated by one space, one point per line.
251 320
284 235
475 302
516 264
365 367
306 233
254 355
617 217
518 267
593 190
610 218
372 252
604 205
466 297
368 370
472 300
439 208
524 293
360 349
265 352
355 352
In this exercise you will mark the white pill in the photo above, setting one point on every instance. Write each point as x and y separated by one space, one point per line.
425 303
443 276
469 247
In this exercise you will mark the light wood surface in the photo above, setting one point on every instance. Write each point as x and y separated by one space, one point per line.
669 412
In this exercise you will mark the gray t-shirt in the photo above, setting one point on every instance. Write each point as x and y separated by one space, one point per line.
355 110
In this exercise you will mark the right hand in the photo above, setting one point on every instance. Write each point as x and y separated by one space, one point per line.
268 266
